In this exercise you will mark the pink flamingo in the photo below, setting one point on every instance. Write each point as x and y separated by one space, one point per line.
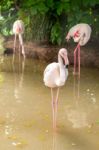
55 75
80 34
18 29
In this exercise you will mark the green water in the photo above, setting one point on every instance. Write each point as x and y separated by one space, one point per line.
26 114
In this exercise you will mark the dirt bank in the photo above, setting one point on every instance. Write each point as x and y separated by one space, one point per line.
42 51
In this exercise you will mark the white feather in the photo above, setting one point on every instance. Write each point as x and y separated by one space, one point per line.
55 75
84 33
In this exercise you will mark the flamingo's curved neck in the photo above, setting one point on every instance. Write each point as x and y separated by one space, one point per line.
60 61
61 68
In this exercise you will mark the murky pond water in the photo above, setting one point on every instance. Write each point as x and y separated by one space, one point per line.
26 115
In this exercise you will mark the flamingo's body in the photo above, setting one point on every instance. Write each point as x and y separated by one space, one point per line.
81 34
18 29
55 76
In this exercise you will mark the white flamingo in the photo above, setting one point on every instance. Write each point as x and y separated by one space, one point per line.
18 29
81 34
55 75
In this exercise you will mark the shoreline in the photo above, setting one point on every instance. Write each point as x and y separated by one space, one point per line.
48 53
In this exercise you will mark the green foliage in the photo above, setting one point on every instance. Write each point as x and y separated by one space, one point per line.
44 19
1 44
55 33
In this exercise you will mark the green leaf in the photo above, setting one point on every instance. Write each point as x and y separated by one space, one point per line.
50 3
42 8
59 8
59 40
66 7
56 33
5 31
1 18
65 0
33 10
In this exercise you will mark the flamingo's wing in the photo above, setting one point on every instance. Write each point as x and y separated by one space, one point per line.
50 67
51 73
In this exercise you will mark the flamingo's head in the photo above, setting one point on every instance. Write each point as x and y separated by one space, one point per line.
76 34
68 37
63 54
18 29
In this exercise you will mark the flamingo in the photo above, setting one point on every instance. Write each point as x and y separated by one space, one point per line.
18 29
55 76
81 34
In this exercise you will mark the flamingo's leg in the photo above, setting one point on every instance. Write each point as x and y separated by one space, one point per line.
53 108
56 105
78 86
79 60
23 51
14 43
75 51
14 47
21 43
22 73
19 51
74 88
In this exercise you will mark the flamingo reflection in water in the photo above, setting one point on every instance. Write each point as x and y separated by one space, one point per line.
76 113
18 79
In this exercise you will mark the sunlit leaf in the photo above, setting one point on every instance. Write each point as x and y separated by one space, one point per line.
1 18
42 8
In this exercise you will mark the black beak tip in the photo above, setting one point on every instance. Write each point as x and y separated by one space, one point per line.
66 66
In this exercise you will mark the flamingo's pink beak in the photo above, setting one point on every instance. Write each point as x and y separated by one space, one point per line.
67 38
66 60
